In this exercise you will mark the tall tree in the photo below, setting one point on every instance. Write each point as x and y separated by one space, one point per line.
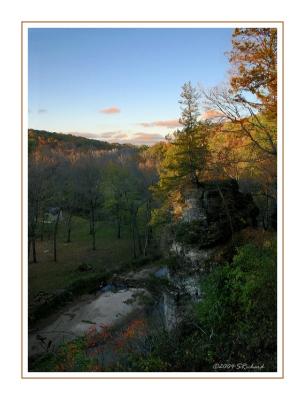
89 170
40 171
185 160
116 186
70 194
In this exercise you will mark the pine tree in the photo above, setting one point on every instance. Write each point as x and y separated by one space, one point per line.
185 160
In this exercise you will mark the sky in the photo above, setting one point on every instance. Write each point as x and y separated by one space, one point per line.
119 84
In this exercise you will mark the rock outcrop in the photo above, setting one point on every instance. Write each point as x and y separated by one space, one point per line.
211 215
215 210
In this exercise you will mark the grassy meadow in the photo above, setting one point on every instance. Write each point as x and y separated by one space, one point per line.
49 276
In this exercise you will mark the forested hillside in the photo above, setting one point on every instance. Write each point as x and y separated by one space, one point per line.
67 142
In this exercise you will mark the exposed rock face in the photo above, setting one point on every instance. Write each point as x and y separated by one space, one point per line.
201 258
183 290
194 210
214 211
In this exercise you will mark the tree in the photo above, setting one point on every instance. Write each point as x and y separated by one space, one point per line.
188 141
89 170
189 107
184 158
184 161
250 103
70 190
244 118
40 170
63 199
115 202
135 196
254 62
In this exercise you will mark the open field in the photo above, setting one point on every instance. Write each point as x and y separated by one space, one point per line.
47 275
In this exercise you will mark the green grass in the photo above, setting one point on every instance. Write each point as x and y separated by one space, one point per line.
49 276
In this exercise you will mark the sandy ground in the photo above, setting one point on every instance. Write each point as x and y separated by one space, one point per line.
107 309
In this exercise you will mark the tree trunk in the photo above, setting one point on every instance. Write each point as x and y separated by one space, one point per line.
55 236
267 210
145 243
34 249
133 239
148 229
226 210
138 236
119 227
69 228
93 228
90 225
42 229
29 248
148 236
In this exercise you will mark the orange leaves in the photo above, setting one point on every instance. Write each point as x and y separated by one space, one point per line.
137 328
254 59
97 335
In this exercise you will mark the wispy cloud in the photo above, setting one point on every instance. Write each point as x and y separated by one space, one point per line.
42 111
87 135
145 138
138 138
110 110
113 135
170 123
107 136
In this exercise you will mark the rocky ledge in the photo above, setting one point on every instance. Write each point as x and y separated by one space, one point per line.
212 213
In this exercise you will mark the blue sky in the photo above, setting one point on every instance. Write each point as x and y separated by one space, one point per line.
119 84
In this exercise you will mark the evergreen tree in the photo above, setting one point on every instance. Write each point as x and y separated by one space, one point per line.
185 160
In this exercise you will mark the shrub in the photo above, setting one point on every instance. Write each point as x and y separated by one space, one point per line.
238 311
70 357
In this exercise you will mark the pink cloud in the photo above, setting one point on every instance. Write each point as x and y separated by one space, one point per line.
115 135
87 135
144 138
138 138
211 114
110 110
171 123
101 136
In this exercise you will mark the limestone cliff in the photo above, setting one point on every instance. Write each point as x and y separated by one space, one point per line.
212 213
